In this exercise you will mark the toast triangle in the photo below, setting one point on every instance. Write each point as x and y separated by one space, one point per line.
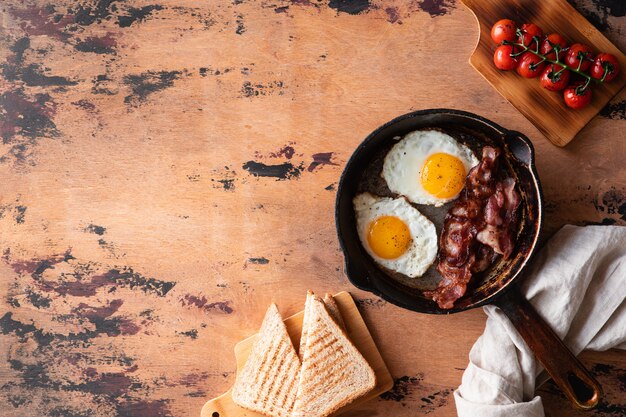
333 373
333 309
268 381
305 324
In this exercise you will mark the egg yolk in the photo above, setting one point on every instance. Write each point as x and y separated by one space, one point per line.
443 175
388 237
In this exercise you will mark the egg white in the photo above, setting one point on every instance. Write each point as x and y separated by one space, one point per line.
403 164
422 249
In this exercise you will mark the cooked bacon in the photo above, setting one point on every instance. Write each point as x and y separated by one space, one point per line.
512 202
456 236
492 211
470 210
479 182
484 258
494 238
453 285
477 230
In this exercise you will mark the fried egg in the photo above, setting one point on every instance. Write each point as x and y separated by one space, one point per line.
428 167
395 234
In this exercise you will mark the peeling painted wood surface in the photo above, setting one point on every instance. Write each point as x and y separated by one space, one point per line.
168 169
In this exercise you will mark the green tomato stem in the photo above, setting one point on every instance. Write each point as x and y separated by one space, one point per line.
544 58
580 90
606 66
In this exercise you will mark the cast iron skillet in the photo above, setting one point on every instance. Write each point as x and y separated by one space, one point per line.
496 285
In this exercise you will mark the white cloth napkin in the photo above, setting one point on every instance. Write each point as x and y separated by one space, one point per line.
578 285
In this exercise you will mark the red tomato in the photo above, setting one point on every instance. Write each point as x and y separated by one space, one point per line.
529 65
577 99
605 60
503 30
551 81
529 30
572 58
547 46
502 58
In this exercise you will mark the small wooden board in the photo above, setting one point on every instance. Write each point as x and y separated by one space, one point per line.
223 406
546 110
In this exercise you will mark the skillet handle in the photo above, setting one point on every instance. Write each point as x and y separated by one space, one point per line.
567 372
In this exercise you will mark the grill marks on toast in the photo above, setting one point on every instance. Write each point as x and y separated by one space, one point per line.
324 349
334 357
275 382
333 310
324 372
334 373
272 368
259 374
315 351
327 373
335 388
290 386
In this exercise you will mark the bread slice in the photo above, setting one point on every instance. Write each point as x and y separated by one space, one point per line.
333 373
333 309
305 324
268 382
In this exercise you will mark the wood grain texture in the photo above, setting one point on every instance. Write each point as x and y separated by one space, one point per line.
357 332
546 110
168 169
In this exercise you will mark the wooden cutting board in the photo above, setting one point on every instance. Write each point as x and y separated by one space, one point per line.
545 109
223 406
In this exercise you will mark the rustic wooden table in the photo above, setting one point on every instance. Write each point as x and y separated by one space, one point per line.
169 168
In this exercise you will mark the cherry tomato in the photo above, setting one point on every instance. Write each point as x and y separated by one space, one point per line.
502 58
605 60
529 30
550 81
530 65
572 58
547 47
577 99
503 30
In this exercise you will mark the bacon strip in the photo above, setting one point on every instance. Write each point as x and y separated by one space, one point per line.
477 230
